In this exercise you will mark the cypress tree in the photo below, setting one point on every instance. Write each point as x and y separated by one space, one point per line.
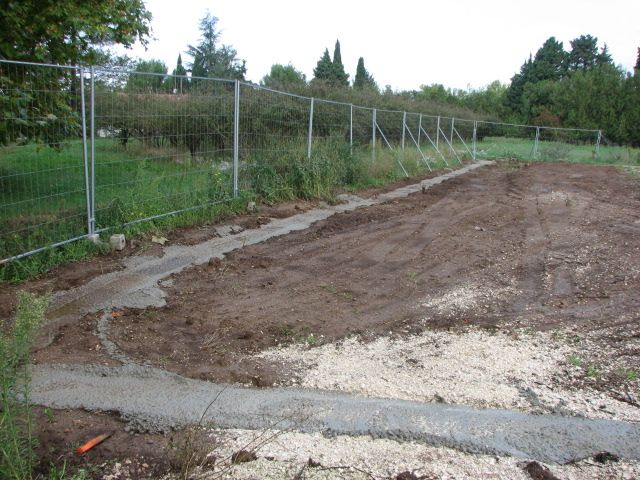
339 76
324 68
363 78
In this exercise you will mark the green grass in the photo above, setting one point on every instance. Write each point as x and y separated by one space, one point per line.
492 148
43 201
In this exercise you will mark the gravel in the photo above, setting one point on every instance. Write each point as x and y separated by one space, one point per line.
344 457
525 371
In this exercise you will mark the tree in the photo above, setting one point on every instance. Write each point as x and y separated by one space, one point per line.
604 57
70 31
331 71
284 77
324 67
584 52
513 97
637 67
339 76
549 62
139 82
363 78
211 60
176 82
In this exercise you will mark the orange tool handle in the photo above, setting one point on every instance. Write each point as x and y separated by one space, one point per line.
92 443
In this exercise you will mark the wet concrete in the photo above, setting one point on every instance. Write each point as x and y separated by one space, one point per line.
152 399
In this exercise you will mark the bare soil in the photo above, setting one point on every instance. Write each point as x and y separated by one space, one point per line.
510 247
540 246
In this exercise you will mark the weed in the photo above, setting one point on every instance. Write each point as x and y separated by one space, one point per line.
48 412
593 372
412 277
17 442
311 340
631 375
329 287
575 360
60 473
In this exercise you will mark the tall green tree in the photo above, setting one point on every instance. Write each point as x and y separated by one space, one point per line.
583 54
550 62
177 82
513 96
69 31
324 67
363 78
211 59
637 66
339 76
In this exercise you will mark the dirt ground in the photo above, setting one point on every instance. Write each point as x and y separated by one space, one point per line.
540 246
510 248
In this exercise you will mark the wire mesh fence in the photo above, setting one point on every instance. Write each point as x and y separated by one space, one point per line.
43 191
86 150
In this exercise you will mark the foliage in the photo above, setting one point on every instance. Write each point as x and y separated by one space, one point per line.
68 31
488 100
331 71
284 77
363 78
17 444
177 81
583 54
324 68
581 88
211 59
38 104
339 76
42 104
139 82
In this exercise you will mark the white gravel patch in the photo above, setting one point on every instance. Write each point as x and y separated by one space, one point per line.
471 367
465 298
345 457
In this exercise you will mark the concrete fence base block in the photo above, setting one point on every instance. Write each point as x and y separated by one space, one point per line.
94 238
117 241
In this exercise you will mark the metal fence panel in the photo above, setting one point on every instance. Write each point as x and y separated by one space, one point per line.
160 150
85 150
42 179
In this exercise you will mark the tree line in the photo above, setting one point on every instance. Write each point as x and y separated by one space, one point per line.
579 87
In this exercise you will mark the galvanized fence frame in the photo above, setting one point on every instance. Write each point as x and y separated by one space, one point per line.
434 138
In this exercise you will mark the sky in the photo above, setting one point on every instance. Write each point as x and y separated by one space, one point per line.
457 43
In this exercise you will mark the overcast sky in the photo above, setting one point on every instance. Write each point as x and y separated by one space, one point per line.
405 44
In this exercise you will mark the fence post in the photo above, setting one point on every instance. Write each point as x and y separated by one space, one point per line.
236 135
92 107
452 130
419 129
373 137
404 127
535 143
85 156
598 141
351 129
475 133
310 139
438 134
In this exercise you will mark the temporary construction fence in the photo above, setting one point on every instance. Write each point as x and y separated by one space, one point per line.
87 149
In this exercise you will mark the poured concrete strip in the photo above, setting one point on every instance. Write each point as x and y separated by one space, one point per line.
136 286
157 400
